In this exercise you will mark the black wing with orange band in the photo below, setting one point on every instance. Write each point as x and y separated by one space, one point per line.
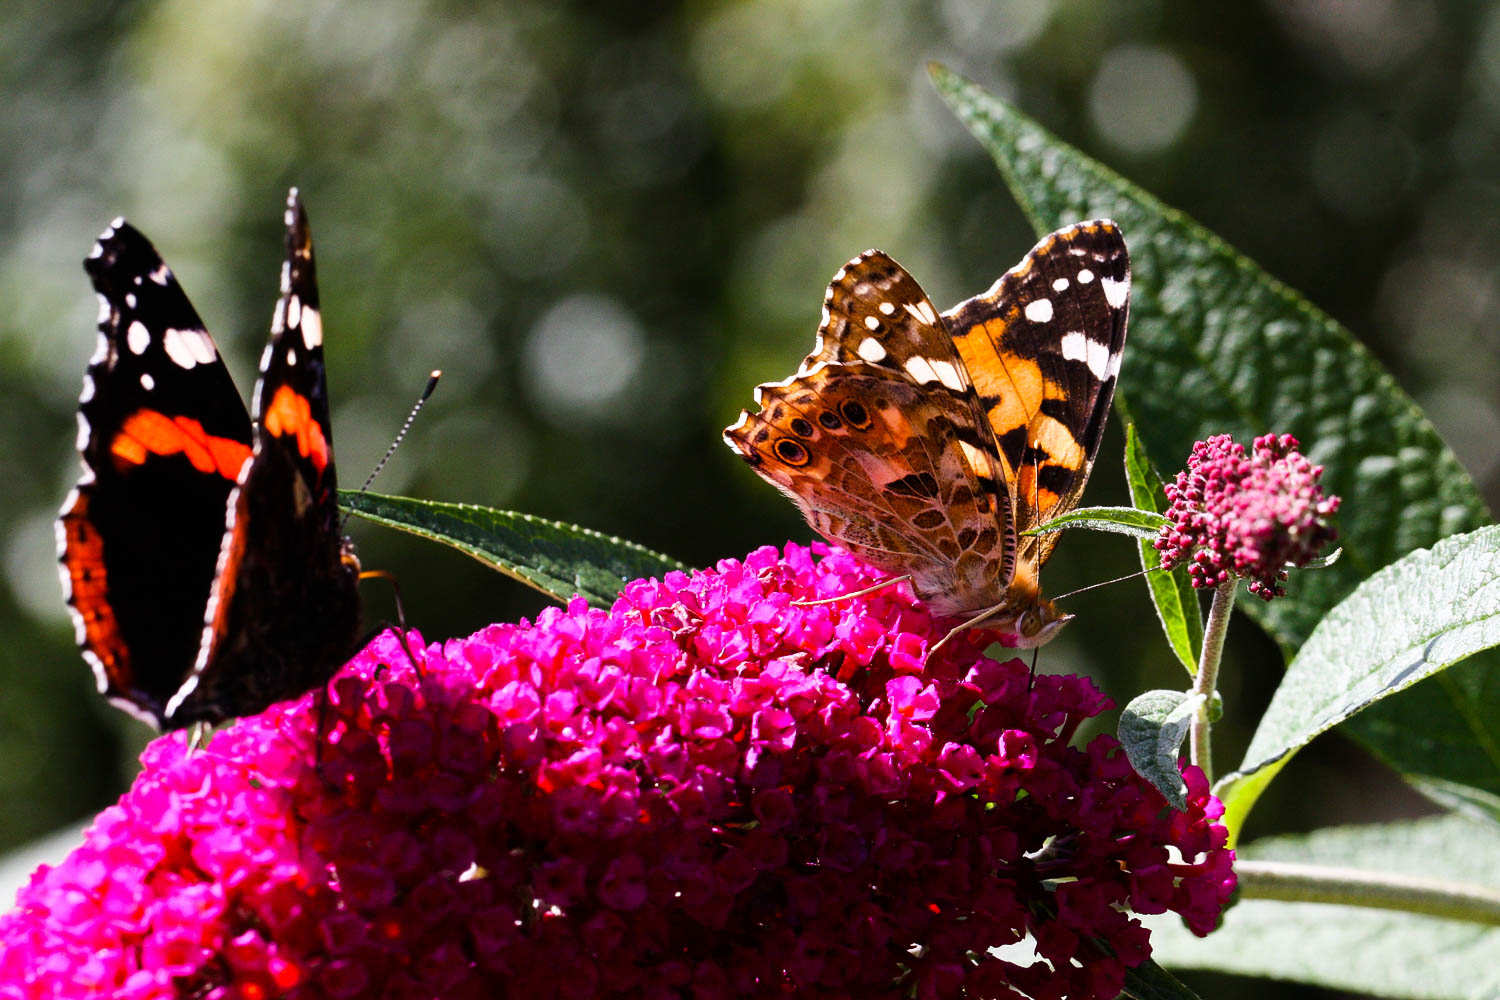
284 611
163 435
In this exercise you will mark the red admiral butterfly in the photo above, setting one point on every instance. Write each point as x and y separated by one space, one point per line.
201 554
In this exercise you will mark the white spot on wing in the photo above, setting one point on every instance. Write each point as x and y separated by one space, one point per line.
130 299
161 275
291 357
978 460
922 311
137 338
919 369
189 347
312 329
105 310
101 349
886 308
1115 292
948 375
88 388
871 323
293 310
871 350
147 382
83 431
1085 276
1039 311
1078 347
1060 284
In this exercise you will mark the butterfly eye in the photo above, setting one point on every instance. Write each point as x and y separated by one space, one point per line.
801 428
791 452
1030 623
855 413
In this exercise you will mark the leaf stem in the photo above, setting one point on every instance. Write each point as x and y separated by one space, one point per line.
1200 752
1305 883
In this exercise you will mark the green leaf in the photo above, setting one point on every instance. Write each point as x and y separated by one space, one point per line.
1118 520
1172 593
1471 803
1359 949
558 559
1218 346
1417 616
1152 728
1149 981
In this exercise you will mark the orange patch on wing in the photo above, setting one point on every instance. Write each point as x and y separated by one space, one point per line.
88 587
1062 448
1037 499
150 432
1014 380
290 414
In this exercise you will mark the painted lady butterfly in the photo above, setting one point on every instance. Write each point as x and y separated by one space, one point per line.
928 445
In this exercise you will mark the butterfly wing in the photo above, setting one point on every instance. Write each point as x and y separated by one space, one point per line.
879 441
163 435
1043 349
284 611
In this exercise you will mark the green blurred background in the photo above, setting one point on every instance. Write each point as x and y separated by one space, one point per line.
606 222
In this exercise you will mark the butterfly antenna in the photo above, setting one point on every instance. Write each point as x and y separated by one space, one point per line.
1106 583
432 381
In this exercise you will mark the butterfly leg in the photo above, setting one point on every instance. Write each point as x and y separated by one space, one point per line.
386 575
198 736
986 613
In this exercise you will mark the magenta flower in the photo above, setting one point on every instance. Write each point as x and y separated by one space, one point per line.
705 791
1251 517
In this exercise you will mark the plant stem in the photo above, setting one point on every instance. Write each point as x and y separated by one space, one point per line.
1304 883
1214 630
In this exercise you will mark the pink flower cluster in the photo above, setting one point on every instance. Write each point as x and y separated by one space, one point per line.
1234 515
706 791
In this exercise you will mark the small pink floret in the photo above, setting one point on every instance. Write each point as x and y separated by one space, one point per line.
1250 517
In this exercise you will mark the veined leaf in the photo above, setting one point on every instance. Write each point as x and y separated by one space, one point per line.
1118 520
1364 950
1152 728
1172 593
1422 613
558 559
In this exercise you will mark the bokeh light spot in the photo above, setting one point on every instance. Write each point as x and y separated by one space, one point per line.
582 354
1142 98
